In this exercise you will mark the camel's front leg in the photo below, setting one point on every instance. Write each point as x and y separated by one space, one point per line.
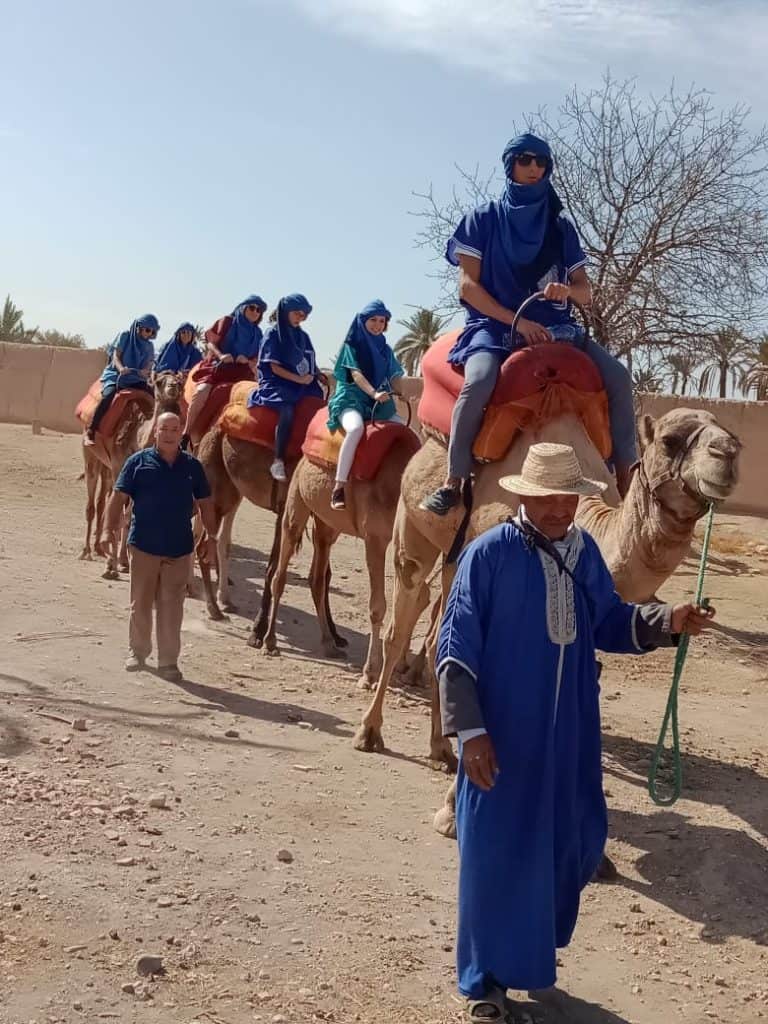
375 555
224 552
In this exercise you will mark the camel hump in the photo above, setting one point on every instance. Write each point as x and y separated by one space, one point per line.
535 385
258 423
322 447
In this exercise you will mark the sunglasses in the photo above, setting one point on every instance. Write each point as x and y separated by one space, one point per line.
526 159
253 309
149 331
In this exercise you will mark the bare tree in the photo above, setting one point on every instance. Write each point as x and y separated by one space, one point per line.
670 198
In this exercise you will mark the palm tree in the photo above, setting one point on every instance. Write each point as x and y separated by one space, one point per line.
12 324
756 377
728 353
680 368
424 327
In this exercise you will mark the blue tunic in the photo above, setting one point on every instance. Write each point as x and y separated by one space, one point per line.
298 357
136 354
176 357
529 845
480 235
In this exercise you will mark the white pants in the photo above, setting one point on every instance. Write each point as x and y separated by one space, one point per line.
353 426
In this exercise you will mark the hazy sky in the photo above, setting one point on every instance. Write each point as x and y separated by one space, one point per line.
172 157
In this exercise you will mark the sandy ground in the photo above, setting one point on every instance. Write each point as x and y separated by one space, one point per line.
253 758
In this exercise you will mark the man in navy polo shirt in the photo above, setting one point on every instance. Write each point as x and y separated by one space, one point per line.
164 483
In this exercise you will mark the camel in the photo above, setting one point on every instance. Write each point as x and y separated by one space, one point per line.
370 515
239 469
104 460
688 460
169 395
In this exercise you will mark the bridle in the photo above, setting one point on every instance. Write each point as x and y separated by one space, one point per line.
674 473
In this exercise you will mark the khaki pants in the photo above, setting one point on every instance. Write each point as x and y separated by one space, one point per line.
159 583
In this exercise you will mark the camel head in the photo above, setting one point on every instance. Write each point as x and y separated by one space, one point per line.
168 386
688 460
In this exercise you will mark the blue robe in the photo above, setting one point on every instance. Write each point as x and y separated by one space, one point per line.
528 846
176 357
136 354
294 353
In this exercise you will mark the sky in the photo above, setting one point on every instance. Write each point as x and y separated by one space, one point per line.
173 157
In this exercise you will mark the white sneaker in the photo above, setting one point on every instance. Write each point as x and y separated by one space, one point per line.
277 469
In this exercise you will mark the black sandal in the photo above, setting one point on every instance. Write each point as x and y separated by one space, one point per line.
338 499
495 1008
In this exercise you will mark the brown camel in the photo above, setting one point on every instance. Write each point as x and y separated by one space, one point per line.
104 460
687 460
169 394
370 515
240 469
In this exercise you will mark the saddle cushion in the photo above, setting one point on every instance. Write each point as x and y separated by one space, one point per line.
535 385
217 399
87 406
322 447
258 424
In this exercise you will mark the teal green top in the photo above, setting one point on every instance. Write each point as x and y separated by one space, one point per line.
349 396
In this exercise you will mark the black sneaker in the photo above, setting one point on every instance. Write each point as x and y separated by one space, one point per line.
171 673
441 501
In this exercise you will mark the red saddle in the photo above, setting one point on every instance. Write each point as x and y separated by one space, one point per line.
258 423
536 384
322 447
87 406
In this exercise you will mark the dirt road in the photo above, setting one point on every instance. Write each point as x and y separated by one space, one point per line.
287 877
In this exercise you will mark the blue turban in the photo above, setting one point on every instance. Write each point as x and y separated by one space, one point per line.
528 210
371 350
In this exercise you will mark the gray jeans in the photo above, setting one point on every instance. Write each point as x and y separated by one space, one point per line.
481 372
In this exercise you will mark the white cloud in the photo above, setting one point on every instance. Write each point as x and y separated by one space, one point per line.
514 39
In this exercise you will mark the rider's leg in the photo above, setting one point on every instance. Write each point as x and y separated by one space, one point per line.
195 406
481 372
108 392
618 388
353 427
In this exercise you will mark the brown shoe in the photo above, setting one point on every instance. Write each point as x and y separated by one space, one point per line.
171 673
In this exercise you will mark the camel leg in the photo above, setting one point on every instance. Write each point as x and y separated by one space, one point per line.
291 520
104 489
375 554
407 598
264 620
323 538
445 819
440 749
224 551
338 639
215 613
91 481
416 673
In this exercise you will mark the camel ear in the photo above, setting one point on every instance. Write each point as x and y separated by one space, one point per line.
646 430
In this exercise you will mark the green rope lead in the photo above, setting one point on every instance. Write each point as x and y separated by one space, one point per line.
670 715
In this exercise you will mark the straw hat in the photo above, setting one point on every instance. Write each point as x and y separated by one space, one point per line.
551 469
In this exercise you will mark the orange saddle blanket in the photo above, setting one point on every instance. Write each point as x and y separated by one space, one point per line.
87 406
322 447
258 424
535 385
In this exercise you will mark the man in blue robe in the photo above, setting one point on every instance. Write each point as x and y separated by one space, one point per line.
518 677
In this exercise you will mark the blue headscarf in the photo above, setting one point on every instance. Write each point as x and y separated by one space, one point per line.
244 338
371 350
177 357
293 347
528 210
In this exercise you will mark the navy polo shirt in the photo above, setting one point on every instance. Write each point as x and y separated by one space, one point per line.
163 500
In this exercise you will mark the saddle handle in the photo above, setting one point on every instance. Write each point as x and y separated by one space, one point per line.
408 406
540 297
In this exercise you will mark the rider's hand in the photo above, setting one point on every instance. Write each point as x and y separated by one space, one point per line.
242 359
480 762
556 292
226 358
691 619
381 396
533 333
122 372
306 378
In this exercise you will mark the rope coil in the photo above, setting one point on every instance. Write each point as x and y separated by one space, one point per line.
658 765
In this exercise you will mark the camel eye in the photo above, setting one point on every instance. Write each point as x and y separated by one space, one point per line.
671 443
